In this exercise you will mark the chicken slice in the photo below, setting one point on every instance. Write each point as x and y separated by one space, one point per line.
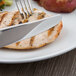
8 19
2 15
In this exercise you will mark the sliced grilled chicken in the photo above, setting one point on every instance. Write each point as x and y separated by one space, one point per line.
40 39
2 15
17 19
8 19
12 18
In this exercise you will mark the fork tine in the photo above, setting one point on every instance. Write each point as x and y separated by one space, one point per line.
26 8
23 9
19 9
30 7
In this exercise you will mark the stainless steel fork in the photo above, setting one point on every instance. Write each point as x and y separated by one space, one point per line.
26 8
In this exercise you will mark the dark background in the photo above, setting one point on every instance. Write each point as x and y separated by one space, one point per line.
64 65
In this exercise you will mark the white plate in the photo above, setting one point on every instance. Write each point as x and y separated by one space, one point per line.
64 43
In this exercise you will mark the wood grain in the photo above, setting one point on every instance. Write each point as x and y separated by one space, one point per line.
64 65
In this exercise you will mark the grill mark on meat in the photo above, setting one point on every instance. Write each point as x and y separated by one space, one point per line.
41 15
32 40
2 15
17 43
50 31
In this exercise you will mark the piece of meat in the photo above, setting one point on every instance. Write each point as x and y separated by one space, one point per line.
39 40
8 19
2 15
17 19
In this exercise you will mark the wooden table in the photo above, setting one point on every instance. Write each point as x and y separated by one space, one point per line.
64 65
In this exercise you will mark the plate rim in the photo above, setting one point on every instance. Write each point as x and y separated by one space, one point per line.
58 53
